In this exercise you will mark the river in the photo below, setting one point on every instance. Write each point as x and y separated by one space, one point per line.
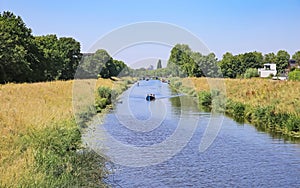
239 156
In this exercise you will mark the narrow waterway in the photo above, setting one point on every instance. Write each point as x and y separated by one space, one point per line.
240 156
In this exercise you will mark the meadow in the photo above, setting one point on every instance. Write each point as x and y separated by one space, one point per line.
269 104
40 143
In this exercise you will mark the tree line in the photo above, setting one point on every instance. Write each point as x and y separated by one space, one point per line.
185 62
28 58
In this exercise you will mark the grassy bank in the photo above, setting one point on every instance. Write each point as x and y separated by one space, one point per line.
40 143
270 105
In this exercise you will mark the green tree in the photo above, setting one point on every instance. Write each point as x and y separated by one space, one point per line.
230 65
251 60
52 58
282 60
159 66
180 61
15 44
69 50
296 57
269 58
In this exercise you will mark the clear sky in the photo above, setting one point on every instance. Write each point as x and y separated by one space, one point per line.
236 26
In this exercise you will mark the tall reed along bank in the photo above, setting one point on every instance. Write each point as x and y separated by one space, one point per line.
40 141
270 105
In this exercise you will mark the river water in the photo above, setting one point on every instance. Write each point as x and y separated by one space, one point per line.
150 147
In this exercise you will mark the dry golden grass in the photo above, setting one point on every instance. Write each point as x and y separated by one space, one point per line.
28 106
284 95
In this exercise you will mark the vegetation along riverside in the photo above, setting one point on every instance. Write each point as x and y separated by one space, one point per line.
41 141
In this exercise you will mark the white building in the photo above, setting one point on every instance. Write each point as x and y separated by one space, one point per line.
269 68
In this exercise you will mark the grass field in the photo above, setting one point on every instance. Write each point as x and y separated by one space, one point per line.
268 104
35 120
258 92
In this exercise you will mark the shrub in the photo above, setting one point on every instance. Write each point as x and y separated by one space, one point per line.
101 103
294 75
251 72
104 92
293 123
236 110
177 84
205 98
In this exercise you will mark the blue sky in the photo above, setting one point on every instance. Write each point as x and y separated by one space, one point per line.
236 26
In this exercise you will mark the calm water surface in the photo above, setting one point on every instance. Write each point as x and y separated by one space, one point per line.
240 156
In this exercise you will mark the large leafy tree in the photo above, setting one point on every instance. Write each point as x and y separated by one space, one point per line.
52 59
282 60
70 55
15 45
61 56
230 65
251 60
180 61
269 58
101 64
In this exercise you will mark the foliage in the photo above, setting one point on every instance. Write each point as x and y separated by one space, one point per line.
60 56
101 64
251 72
269 58
234 66
184 62
282 60
25 58
296 57
294 75
205 98
159 66
16 41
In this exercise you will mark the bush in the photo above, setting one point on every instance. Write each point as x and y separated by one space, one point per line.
294 75
293 123
205 98
251 72
178 84
104 92
101 104
236 110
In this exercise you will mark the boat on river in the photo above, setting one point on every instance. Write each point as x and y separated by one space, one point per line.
150 97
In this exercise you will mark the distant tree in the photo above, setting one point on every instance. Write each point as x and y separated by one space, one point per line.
282 60
296 57
230 65
180 61
269 58
206 65
101 64
159 66
251 60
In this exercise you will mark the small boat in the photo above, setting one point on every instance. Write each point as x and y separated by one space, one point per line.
150 97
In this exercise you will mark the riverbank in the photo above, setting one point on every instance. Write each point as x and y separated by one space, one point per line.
41 142
273 106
